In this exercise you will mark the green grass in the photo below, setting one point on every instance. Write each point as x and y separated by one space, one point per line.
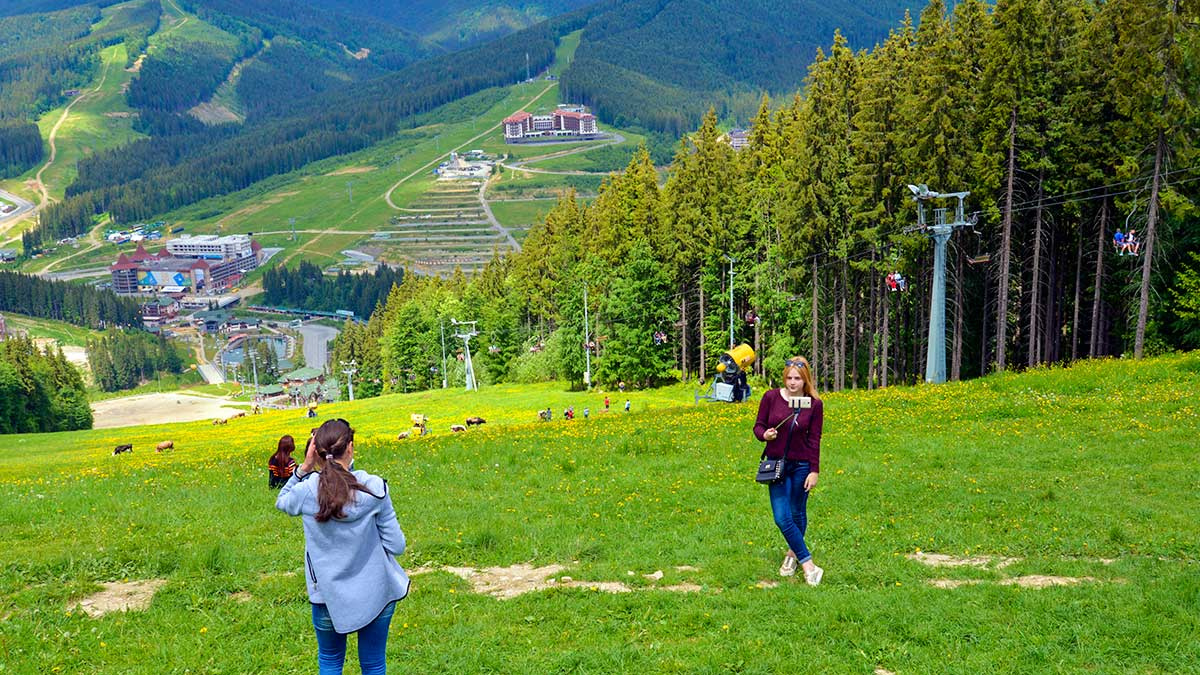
1057 468
521 213
65 333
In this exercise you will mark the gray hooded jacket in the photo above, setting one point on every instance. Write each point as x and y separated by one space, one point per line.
348 562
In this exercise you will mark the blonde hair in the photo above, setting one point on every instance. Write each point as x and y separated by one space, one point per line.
800 365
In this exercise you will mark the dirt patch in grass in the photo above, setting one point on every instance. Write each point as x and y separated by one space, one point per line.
1027 581
158 409
351 170
508 582
1044 581
121 596
240 596
943 560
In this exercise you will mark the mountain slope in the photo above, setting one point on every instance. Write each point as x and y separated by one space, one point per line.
661 63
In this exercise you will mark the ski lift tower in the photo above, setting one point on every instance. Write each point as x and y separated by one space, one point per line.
939 230
466 335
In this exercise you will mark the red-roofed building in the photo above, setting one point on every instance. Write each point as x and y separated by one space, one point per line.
567 123
210 263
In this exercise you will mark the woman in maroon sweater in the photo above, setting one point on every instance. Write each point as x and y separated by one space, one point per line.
794 433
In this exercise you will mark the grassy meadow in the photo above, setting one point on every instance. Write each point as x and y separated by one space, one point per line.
1085 473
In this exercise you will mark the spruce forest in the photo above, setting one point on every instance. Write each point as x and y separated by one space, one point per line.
1065 119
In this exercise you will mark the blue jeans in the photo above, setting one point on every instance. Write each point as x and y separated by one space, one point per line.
789 505
372 642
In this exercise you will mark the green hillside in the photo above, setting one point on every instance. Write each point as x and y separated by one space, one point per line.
1081 478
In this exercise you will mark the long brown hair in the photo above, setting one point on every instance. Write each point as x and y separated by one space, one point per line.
800 365
283 455
337 485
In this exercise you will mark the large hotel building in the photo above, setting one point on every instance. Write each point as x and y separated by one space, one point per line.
186 265
562 123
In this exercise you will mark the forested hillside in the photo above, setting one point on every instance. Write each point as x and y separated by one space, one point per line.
334 29
1066 121
661 63
458 23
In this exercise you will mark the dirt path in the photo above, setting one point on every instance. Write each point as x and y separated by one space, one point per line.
54 132
487 211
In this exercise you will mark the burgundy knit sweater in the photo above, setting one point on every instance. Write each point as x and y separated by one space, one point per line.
801 437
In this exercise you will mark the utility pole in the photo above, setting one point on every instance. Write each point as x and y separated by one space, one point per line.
587 347
350 190
445 381
939 231
349 369
466 338
731 261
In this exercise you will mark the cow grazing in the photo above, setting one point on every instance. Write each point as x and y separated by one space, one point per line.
475 421
457 428
219 421
237 415
128 447
402 435
165 445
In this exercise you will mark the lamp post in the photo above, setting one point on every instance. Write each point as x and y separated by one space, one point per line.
349 369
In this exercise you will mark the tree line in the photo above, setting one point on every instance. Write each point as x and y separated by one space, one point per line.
125 359
78 305
40 390
306 287
1065 119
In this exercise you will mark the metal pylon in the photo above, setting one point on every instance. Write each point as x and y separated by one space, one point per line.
939 231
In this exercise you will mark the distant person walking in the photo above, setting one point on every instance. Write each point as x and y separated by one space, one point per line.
795 435
281 465
351 536
606 403
626 405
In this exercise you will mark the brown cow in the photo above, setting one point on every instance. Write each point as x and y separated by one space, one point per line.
127 447
165 445
457 428
237 415
475 421
402 435
219 421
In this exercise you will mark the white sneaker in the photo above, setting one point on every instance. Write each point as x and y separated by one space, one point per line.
788 568
814 577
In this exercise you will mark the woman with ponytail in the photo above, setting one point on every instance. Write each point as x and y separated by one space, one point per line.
351 538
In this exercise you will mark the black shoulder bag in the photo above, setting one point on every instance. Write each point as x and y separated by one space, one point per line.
771 470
